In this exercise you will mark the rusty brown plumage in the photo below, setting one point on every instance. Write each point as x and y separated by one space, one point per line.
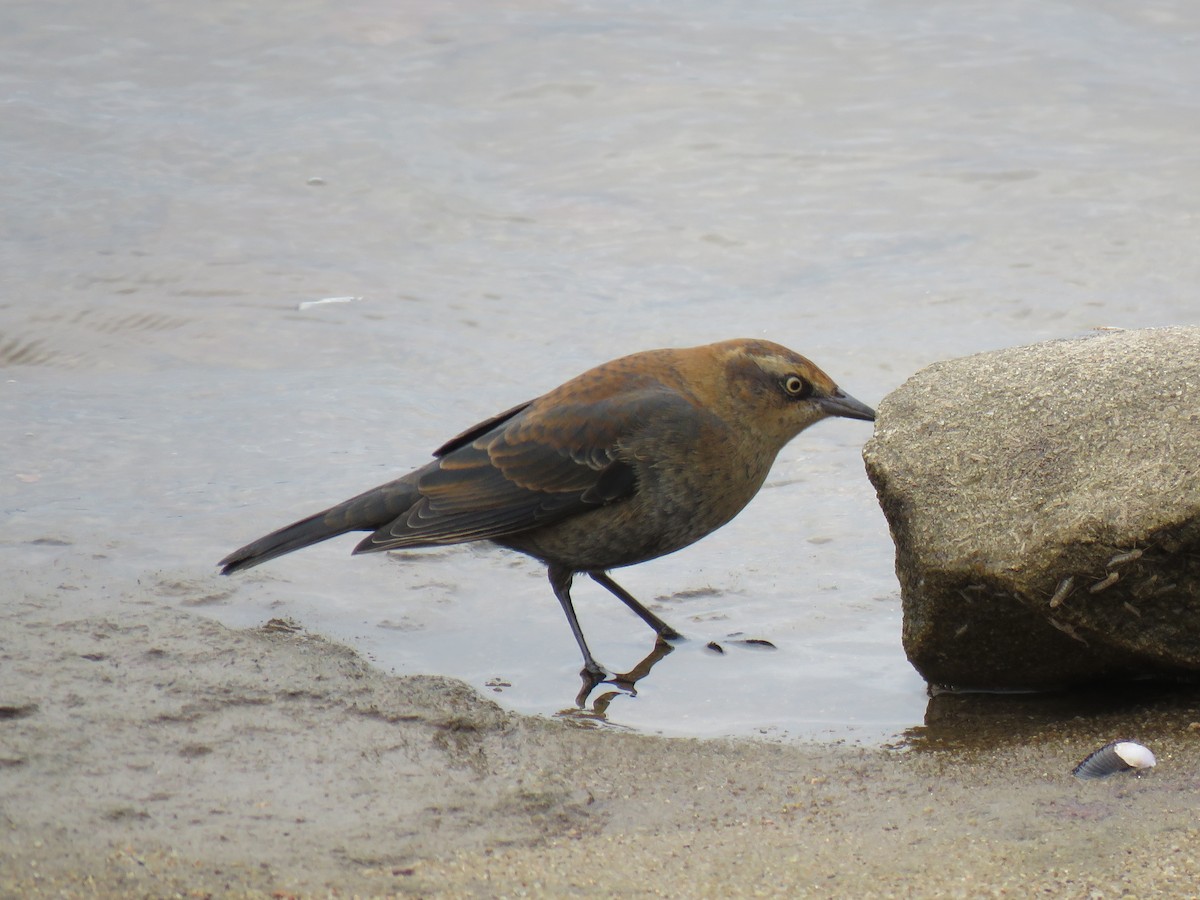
631 460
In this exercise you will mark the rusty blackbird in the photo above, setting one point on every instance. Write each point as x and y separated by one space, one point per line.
631 460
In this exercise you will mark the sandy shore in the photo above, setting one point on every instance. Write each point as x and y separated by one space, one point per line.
145 751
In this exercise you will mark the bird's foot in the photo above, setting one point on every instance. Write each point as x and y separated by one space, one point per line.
625 682
591 675
593 669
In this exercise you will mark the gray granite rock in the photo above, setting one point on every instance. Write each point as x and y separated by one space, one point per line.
1045 505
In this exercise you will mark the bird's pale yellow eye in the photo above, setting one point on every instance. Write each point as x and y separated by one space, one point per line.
797 387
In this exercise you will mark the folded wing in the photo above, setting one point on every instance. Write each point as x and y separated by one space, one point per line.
531 470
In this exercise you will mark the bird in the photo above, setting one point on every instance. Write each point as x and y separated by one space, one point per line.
632 460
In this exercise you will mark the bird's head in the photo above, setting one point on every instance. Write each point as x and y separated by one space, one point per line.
776 392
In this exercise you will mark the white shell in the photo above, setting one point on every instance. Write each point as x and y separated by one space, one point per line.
1117 756
1137 756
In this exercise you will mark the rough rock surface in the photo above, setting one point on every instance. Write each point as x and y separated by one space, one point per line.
1045 505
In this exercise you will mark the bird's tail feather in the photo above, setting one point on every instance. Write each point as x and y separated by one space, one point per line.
308 531
366 512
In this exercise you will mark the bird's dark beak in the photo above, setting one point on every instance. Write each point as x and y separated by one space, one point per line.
842 404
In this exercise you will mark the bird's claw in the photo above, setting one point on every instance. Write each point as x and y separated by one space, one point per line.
591 675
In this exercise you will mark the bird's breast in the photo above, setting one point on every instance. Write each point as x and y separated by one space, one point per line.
683 493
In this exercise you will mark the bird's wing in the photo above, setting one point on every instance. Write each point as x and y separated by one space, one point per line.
461 440
535 467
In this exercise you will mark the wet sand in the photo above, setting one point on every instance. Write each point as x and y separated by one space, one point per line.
147 752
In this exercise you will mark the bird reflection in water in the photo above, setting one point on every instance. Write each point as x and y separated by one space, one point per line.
624 682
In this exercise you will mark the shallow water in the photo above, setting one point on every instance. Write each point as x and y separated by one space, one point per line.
514 195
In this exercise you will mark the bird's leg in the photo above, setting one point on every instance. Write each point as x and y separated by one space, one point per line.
663 630
560 581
